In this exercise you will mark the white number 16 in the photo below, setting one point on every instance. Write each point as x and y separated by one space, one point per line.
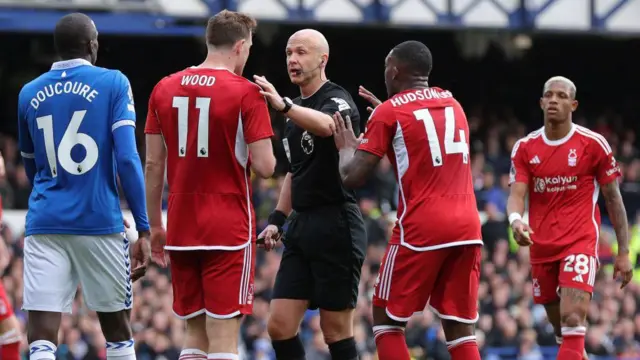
71 138
450 145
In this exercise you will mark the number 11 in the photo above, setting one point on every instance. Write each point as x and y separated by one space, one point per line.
202 104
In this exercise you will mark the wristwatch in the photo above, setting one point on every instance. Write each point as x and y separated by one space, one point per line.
287 105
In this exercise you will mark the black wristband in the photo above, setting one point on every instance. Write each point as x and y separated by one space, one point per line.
277 218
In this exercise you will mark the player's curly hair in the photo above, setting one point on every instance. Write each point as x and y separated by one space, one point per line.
416 57
227 27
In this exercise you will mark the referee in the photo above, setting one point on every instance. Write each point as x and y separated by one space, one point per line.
326 241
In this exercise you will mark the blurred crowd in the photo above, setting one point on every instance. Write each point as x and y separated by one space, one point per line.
510 326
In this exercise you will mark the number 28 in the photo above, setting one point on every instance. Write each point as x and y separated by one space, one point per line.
577 263
450 145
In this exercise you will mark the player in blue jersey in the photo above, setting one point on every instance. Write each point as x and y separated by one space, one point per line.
76 133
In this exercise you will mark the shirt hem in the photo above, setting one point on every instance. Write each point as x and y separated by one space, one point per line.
441 246
74 231
208 247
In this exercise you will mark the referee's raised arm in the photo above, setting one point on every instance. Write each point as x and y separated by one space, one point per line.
307 56
325 241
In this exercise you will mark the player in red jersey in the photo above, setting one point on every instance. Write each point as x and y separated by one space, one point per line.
434 254
562 168
9 325
215 125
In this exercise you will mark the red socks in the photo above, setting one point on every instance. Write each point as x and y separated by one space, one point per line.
464 348
391 343
10 351
572 347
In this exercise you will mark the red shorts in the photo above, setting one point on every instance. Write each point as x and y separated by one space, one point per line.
574 271
5 306
216 282
447 279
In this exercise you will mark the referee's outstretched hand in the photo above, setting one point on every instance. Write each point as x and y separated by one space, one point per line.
368 95
269 92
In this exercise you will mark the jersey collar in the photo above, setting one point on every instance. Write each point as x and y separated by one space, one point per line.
68 64
559 141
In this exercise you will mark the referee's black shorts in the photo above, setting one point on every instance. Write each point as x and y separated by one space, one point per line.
324 251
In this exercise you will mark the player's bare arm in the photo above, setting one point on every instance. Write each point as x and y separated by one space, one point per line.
618 216
263 162
515 209
355 166
156 156
284 201
314 121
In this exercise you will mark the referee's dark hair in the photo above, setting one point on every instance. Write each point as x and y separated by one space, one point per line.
415 57
73 36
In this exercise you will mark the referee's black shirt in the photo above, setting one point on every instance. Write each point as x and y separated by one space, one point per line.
314 159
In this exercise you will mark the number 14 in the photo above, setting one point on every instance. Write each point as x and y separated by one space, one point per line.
450 145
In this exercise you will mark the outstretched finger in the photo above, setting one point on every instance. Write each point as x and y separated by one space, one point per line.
364 92
337 117
369 109
347 123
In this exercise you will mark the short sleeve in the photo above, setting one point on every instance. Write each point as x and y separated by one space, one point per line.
607 168
25 142
124 111
379 131
519 170
256 120
338 103
152 125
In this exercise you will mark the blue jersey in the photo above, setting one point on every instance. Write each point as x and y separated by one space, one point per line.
76 133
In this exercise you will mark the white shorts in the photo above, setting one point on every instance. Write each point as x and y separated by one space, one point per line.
54 266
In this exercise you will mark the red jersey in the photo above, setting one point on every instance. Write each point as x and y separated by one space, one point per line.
207 117
426 136
564 178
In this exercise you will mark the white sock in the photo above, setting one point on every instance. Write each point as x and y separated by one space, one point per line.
223 356
42 350
121 350
192 354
